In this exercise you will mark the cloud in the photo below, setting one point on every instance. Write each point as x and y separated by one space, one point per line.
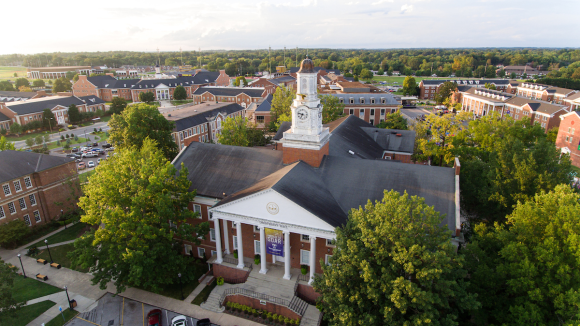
406 9
380 2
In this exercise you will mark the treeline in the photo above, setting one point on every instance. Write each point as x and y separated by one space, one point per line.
562 63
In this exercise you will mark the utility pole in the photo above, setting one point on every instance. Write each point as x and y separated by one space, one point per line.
269 64
284 56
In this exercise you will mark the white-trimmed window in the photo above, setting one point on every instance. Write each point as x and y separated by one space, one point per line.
304 237
235 241
11 208
304 257
326 259
209 216
37 216
2 214
212 234
17 186
257 247
214 253
201 252
197 209
22 203
27 220
7 190
256 228
32 199
187 248
329 243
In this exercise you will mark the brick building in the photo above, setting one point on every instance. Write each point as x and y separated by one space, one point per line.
284 205
520 70
33 185
556 95
105 87
270 84
568 140
5 122
31 110
260 113
244 96
201 122
428 88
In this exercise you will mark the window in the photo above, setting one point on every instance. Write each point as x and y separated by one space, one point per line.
372 101
305 237
197 209
212 234
214 253
326 259
11 208
260 118
37 216
17 186
2 214
235 240
201 252
372 111
304 257
341 100
209 215
372 121
362 100
329 243
382 111
256 228
22 203
256 247
572 131
351 112
27 220
7 191
187 248
351 100
571 139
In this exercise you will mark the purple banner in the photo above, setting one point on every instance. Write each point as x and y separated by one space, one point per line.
274 242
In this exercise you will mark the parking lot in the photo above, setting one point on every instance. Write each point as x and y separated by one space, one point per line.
116 310
87 159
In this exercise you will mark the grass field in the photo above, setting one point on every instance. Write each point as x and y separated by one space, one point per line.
8 72
58 321
28 288
176 102
27 314
70 233
84 177
59 256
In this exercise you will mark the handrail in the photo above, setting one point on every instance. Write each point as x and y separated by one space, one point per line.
229 260
298 308
304 278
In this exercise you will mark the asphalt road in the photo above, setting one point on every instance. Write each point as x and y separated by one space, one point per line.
78 132
87 159
413 113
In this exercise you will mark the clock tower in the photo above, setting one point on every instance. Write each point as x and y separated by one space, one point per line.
307 139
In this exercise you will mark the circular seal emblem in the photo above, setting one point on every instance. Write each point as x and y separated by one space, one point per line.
272 208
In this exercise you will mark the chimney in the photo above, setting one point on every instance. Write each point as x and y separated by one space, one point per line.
82 77
110 74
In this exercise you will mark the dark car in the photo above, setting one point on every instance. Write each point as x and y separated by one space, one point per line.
106 145
203 322
75 149
95 144
154 318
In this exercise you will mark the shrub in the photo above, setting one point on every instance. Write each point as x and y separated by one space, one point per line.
62 137
235 254
255 312
220 280
67 136
12 232
269 316
257 259
95 130
303 269
281 318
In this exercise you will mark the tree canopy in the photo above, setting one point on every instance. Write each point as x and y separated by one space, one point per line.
179 93
140 204
281 102
140 121
48 119
38 83
237 132
117 105
74 115
394 120
146 97
409 86
332 109
5 144
8 305
394 265
21 82
444 92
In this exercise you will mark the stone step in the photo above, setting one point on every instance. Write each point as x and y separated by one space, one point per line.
212 303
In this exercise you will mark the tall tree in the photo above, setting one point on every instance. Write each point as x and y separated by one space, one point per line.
384 274
15 129
48 119
179 93
138 199
74 115
38 83
528 271
409 86
442 130
21 82
234 132
394 120
366 74
281 102
137 122
58 86
117 105
332 109
6 86
146 97
444 92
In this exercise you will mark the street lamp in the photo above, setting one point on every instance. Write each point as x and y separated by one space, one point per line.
49 124
23 272
61 213
46 241
181 286
67 297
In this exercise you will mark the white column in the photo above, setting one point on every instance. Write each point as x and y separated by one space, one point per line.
263 269
312 258
218 240
226 238
240 245
287 275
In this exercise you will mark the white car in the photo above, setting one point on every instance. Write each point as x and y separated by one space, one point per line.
99 160
91 164
89 154
179 321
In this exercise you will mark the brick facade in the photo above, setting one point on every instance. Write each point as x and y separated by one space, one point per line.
569 136
312 157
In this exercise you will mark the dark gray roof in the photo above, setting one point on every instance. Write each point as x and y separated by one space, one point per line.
388 139
463 88
284 126
38 106
230 91
111 82
266 104
283 79
15 164
472 82
170 82
91 100
3 117
350 136
203 117
204 77
215 169
350 79
17 94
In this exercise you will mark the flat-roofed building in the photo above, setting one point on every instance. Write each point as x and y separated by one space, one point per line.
56 72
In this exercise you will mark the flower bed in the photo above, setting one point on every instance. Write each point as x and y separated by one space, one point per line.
259 315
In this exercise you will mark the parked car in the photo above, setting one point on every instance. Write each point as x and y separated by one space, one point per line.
71 155
106 145
179 321
101 152
91 164
75 149
82 166
154 318
110 149
99 160
95 144
203 322
89 154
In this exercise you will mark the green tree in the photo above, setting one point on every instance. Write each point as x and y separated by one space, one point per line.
445 91
15 129
442 130
490 86
394 120
58 86
48 119
12 232
528 271
74 116
5 144
138 199
117 105
234 132
380 72
281 102
501 73
46 138
38 140
76 78
15 74
38 83
21 82
146 97
366 74
332 109
552 135
384 274
6 86
70 75
29 142
513 75
138 122
179 93
240 81
8 305
409 86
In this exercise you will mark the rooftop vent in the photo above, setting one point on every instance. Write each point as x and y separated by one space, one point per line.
350 152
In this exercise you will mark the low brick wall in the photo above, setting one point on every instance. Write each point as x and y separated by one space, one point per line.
307 293
228 272
255 303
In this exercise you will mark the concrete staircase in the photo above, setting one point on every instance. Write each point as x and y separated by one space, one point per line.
213 303
264 284
311 317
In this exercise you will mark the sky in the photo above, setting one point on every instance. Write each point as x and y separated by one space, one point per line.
108 25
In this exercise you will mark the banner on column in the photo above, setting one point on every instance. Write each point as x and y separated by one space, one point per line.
274 242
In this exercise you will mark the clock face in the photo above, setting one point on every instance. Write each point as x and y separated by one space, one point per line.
302 114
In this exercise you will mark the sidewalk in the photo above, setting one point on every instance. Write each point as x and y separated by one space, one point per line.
61 301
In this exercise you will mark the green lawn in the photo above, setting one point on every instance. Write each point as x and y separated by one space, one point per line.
8 72
180 102
204 294
29 288
27 314
84 177
59 256
174 290
58 321
70 233
32 135
39 234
